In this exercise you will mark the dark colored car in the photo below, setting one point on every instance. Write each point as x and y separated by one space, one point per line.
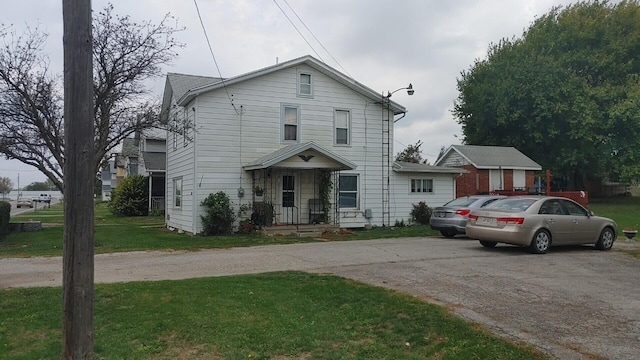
451 218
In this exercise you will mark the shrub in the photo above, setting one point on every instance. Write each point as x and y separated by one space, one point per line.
131 197
421 213
219 217
400 223
245 227
5 215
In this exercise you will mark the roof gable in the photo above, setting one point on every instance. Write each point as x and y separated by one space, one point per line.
492 157
286 157
186 89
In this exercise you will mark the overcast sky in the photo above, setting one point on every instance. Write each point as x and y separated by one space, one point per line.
383 44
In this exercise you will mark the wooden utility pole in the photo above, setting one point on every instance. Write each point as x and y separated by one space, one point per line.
78 272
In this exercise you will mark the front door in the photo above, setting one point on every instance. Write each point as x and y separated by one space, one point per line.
289 199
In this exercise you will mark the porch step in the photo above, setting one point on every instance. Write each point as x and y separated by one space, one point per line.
305 230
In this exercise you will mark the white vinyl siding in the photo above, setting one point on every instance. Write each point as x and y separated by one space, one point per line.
343 127
421 186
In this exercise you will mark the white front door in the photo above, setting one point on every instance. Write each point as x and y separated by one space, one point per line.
495 178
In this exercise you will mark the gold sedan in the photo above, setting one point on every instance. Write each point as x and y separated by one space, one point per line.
539 222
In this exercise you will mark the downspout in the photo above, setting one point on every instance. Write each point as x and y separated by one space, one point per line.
194 197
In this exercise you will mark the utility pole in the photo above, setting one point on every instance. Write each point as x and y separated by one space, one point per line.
78 268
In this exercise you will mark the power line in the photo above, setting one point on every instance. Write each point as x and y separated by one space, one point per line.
299 33
204 30
312 34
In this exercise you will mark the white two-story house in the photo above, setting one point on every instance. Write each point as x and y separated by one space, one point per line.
308 142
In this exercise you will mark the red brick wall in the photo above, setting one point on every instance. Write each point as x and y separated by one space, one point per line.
507 176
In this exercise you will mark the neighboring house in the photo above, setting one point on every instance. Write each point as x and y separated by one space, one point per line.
112 174
490 168
281 136
144 154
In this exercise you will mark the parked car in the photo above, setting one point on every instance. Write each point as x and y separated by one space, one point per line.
451 218
539 222
24 202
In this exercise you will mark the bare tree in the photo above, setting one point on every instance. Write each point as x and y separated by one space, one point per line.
5 186
126 55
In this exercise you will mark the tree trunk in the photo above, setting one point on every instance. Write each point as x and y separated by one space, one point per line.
78 269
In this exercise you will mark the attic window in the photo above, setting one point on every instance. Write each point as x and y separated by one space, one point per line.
304 84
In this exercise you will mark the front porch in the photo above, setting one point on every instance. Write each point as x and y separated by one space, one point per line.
296 186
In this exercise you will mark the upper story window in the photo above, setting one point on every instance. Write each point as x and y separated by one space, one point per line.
343 127
290 123
305 85
421 185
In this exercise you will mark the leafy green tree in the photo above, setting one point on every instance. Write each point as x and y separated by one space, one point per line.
412 154
131 197
37 186
566 93
219 217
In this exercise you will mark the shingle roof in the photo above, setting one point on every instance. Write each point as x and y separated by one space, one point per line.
130 147
495 157
181 83
407 167
154 161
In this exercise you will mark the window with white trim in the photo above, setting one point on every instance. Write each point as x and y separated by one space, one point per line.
290 123
348 191
304 84
421 186
177 192
343 127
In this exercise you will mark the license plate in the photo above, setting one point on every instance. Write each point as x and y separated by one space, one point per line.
441 214
487 221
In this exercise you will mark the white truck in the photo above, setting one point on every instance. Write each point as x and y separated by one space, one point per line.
45 198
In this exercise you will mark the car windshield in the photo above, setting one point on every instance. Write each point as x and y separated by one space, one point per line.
461 202
512 204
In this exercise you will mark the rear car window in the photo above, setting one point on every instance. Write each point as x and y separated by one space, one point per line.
512 204
463 201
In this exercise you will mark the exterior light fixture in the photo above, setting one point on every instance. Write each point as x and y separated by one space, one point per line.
409 89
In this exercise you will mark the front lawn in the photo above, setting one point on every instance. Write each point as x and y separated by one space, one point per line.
117 234
286 315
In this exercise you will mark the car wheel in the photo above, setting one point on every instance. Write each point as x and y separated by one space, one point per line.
606 239
541 242
488 244
449 234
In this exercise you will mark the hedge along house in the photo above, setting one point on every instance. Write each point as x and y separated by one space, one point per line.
294 143
490 168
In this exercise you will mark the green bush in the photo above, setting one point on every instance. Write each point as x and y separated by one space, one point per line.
131 197
421 213
219 217
5 215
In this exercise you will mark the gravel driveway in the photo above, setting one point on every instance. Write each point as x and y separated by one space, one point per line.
572 303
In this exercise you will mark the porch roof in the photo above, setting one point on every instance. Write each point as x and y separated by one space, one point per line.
302 156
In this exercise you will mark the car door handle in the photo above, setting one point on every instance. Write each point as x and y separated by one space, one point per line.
575 221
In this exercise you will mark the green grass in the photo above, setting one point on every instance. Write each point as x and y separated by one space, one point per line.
625 210
287 315
118 234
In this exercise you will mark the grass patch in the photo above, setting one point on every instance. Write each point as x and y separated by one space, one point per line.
118 234
625 210
286 315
